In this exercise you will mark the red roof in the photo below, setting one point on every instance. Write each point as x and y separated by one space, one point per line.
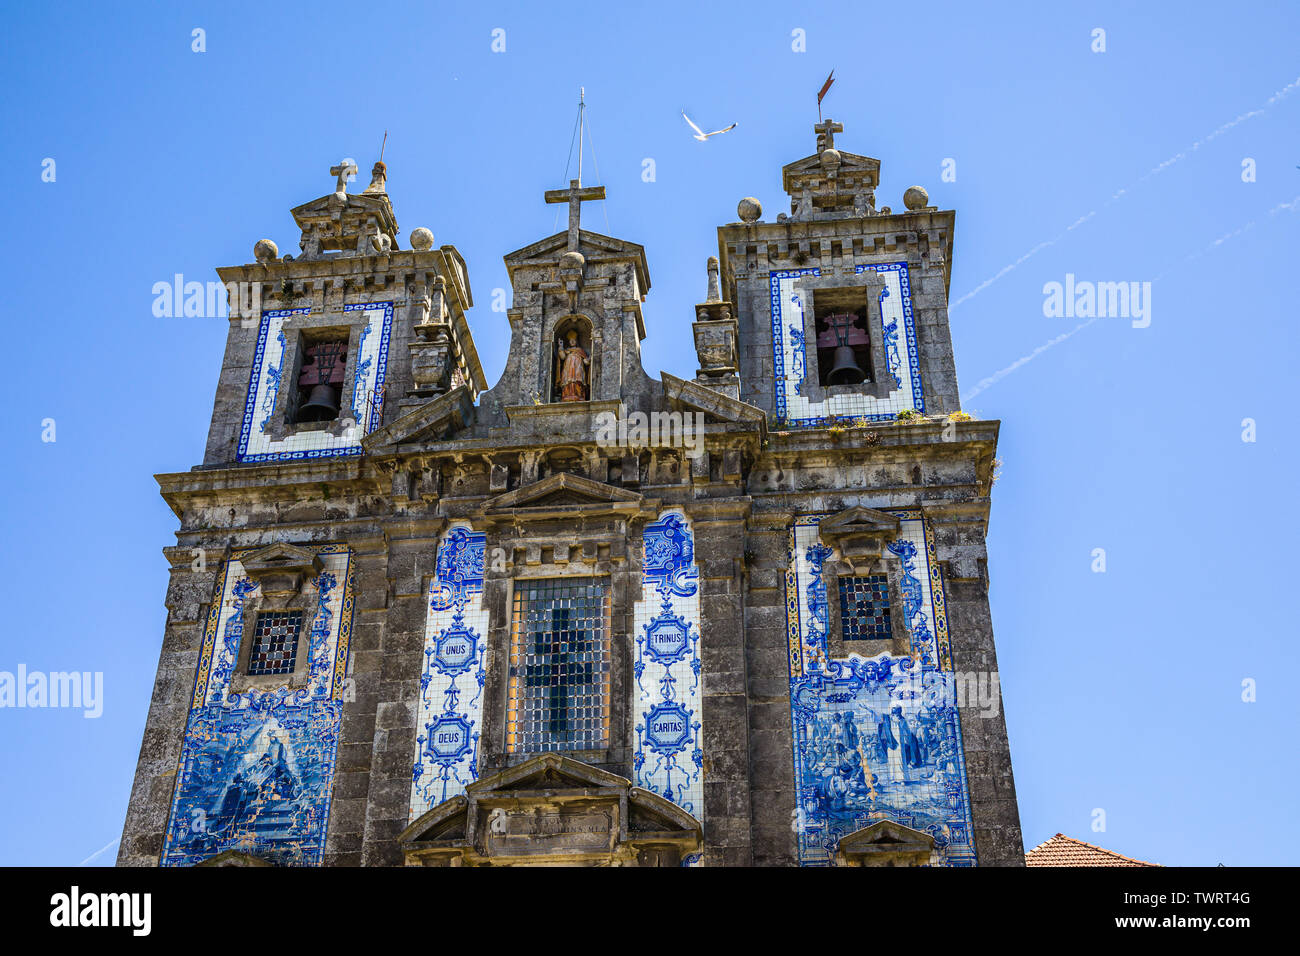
1062 850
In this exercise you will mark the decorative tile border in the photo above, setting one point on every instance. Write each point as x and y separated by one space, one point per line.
256 769
666 705
875 738
265 379
789 354
450 715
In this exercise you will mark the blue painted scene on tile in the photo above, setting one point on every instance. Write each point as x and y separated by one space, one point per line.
256 768
875 738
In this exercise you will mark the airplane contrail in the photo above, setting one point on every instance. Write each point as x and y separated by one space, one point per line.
1292 206
1118 194
101 851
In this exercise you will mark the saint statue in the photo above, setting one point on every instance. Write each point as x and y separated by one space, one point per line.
571 370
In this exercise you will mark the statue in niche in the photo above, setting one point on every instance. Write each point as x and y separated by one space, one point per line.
572 363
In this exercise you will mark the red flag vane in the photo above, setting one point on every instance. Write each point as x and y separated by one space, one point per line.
822 92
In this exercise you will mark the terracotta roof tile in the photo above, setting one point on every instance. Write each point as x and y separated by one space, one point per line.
1062 850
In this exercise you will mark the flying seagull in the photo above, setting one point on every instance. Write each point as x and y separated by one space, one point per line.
700 134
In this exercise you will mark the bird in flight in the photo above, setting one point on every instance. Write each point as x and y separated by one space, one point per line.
700 134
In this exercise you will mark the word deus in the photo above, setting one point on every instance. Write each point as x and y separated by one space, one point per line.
84 690
1107 300
103 909
206 300
655 430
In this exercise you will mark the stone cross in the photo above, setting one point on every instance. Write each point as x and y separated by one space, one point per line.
826 131
342 171
575 195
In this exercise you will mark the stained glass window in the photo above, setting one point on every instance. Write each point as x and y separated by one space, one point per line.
275 643
559 666
864 608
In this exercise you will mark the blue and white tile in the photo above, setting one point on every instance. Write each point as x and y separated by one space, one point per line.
266 379
449 718
875 738
667 712
897 332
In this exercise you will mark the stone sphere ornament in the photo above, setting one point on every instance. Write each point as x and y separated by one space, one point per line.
749 209
916 198
265 250
421 239
572 261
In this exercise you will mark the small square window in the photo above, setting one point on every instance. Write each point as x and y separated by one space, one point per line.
275 643
864 608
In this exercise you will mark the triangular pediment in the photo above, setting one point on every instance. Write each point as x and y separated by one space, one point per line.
280 557
592 245
561 489
546 779
850 163
331 206
886 836
859 520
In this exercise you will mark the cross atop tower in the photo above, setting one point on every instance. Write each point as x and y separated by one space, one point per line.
341 172
826 134
575 195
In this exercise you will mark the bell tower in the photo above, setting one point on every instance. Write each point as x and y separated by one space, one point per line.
843 305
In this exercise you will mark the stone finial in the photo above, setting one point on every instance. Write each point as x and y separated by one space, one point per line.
265 250
715 287
916 198
749 209
421 239
378 178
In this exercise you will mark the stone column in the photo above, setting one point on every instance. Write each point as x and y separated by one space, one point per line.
719 528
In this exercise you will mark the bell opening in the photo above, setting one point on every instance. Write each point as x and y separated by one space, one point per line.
320 380
843 348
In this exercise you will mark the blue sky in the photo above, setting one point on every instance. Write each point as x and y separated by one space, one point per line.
1123 689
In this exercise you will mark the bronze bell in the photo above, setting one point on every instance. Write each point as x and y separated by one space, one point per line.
845 370
322 404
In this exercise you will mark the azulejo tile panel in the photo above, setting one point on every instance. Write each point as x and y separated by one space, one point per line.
256 768
450 716
790 359
875 738
666 707
367 408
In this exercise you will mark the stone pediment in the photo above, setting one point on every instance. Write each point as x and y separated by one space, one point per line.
337 222
859 534
851 164
429 422
563 492
885 843
280 569
593 246
684 394
552 810
860 520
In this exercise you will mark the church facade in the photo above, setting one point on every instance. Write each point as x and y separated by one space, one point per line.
583 615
